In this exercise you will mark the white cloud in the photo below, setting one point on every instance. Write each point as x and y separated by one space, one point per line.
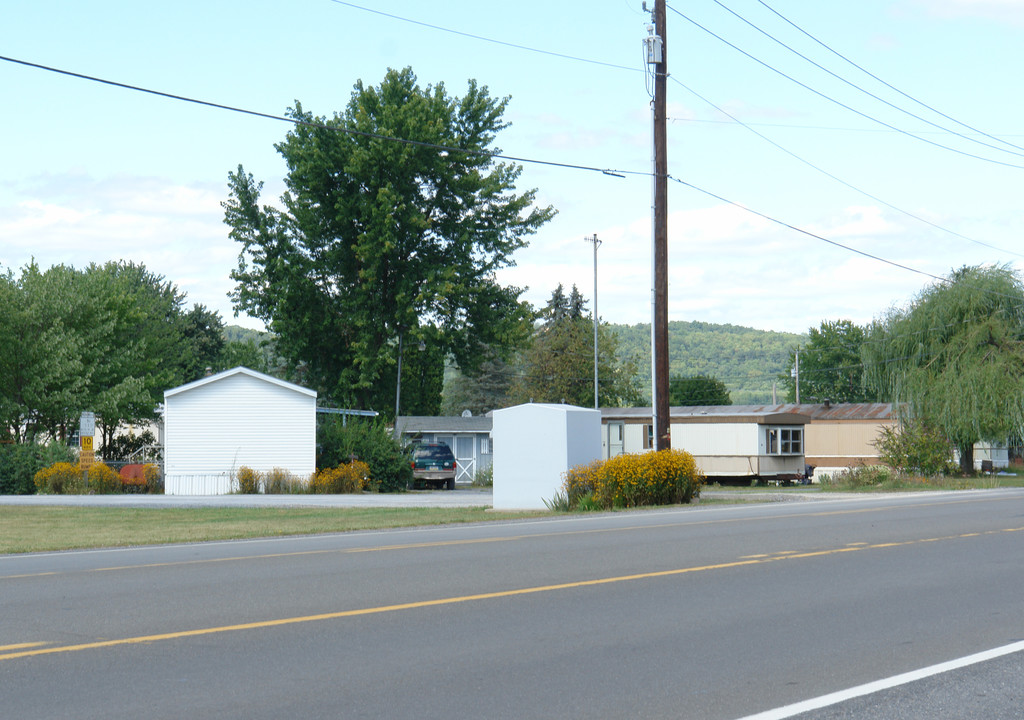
175 230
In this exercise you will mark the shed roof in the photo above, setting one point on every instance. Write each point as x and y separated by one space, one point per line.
238 371
408 424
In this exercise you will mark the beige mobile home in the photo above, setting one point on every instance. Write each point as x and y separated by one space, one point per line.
728 442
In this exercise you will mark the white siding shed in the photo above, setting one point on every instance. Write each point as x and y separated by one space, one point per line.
237 417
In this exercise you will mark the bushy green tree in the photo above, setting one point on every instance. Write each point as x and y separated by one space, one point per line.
955 357
913 447
559 364
697 390
19 463
379 240
371 441
831 366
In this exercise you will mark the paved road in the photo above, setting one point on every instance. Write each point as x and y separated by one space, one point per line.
708 612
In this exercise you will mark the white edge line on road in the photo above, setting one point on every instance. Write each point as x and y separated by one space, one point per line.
884 684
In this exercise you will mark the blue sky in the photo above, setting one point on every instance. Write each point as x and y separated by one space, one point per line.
90 173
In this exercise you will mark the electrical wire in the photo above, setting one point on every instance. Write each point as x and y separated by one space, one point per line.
842 104
858 87
839 180
482 38
883 82
322 126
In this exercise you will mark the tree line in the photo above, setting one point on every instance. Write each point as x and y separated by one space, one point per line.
108 338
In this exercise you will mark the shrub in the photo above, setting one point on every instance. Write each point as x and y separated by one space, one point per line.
101 479
666 477
277 481
369 441
485 477
248 480
866 476
916 448
61 477
20 462
154 479
352 477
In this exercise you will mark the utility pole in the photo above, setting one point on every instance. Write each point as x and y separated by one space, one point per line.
796 374
657 58
597 244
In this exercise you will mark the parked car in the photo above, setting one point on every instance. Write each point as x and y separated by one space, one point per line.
433 464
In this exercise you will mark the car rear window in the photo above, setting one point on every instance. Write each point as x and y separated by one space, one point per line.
432 452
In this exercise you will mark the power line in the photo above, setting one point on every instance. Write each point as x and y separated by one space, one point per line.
322 126
511 158
840 103
858 87
482 38
840 180
888 85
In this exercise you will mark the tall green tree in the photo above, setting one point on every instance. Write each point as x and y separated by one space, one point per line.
106 339
202 331
378 240
559 364
697 390
831 366
955 357
138 341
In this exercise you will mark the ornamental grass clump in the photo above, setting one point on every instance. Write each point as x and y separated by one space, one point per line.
666 477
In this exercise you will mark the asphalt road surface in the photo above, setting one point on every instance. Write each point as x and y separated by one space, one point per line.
705 612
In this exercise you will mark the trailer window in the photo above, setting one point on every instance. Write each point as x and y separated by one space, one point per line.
784 441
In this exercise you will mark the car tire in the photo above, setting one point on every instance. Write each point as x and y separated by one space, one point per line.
451 483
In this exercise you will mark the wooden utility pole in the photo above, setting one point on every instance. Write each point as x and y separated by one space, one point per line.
659 332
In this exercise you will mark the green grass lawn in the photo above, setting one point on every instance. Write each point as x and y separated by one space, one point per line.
39 528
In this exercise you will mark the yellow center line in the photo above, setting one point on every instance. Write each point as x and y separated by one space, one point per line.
447 543
20 646
263 624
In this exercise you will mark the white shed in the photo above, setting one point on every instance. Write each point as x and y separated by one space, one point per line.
237 417
534 445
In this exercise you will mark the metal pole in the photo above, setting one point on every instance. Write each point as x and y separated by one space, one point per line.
597 243
398 385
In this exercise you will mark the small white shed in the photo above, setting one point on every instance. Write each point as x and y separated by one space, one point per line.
534 445
237 417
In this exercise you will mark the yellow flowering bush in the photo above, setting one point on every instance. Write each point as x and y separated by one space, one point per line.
154 479
352 477
666 477
248 480
102 479
58 478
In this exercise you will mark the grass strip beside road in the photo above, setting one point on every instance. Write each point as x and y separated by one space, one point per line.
47 528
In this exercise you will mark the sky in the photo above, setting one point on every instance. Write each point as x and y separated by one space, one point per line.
861 197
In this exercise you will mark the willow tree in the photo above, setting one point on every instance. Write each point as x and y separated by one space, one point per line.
955 357
386 244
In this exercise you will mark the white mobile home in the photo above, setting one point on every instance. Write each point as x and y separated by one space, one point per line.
237 417
727 442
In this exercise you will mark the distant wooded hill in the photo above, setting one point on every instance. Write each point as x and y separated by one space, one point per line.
748 361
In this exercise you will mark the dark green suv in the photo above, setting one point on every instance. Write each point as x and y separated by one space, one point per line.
433 464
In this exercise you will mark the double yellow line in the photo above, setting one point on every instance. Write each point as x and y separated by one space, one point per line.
24 650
